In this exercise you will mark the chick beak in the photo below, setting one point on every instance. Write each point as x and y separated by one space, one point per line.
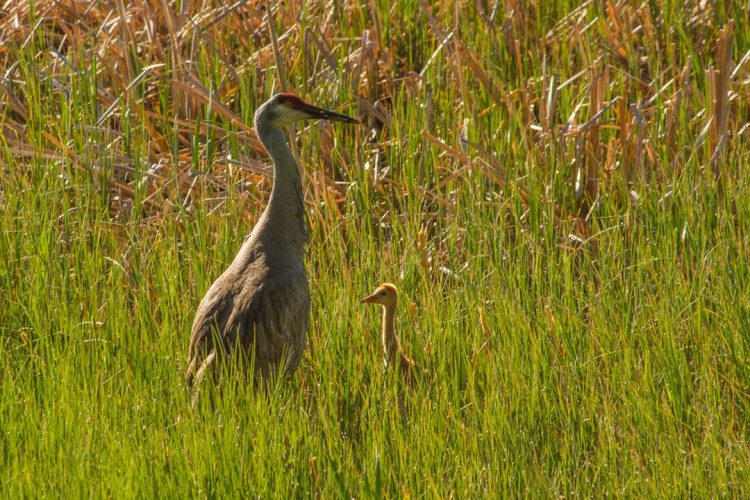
367 300
324 114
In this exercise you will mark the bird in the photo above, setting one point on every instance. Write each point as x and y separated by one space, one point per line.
258 310
387 296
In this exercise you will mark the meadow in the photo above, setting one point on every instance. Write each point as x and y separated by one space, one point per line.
559 189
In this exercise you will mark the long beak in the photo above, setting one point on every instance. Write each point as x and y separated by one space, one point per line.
368 299
324 114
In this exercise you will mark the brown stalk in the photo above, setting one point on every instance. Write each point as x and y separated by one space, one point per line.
593 149
718 82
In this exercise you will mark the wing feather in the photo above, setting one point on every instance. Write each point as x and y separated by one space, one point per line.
264 318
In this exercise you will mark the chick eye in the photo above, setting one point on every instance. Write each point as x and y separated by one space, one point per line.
382 293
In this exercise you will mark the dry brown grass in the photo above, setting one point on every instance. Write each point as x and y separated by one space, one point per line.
154 65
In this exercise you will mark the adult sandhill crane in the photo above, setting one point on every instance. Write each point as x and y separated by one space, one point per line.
258 309
387 296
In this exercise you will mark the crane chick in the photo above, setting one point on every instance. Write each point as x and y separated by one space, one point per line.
387 296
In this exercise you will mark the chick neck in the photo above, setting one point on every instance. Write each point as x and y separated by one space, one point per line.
391 344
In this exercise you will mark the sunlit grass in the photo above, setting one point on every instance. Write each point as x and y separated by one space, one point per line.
578 340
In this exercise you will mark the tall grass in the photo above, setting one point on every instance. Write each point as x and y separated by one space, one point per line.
581 288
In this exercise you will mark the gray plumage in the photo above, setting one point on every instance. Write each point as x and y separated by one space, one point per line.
260 306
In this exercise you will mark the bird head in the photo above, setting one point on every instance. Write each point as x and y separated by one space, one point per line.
386 294
285 109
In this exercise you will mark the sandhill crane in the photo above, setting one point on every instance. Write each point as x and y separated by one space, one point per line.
260 306
387 296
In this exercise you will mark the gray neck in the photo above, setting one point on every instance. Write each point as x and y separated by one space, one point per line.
285 213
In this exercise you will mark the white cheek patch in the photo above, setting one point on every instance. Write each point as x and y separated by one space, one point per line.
289 116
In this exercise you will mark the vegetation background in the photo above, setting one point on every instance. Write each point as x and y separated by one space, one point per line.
560 189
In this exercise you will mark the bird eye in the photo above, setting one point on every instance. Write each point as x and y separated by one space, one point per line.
382 293
289 104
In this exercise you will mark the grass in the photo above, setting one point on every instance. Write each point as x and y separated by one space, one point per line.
582 293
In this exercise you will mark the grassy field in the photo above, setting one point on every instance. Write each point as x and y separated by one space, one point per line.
560 189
